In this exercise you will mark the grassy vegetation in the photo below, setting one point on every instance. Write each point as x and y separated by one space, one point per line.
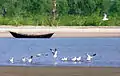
69 12
66 20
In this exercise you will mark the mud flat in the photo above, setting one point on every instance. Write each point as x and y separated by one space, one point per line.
59 71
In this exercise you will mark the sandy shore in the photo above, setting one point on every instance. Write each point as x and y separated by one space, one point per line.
63 31
59 71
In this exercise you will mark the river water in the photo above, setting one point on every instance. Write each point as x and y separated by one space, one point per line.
107 51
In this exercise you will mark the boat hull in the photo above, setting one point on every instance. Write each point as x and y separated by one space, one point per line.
18 35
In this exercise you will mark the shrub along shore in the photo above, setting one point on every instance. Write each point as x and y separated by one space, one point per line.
69 12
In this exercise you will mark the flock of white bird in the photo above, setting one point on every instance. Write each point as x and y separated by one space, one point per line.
74 59
25 59
55 56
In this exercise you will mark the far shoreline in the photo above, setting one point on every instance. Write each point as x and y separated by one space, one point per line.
63 31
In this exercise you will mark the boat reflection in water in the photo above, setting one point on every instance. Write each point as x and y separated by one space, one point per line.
19 35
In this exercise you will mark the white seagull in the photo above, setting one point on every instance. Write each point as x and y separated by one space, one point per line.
11 60
30 59
54 52
89 57
74 59
64 59
24 59
78 59
105 17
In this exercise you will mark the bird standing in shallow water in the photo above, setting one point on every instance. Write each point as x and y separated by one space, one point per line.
89 57
24 60
64 59
54 52
30 59
74 59
78 59
11 60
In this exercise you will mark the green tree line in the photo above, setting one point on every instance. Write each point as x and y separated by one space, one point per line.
69 12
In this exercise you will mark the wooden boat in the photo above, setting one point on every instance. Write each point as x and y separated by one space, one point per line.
18 35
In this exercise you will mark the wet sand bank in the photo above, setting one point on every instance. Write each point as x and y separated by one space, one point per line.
62 31
59 71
